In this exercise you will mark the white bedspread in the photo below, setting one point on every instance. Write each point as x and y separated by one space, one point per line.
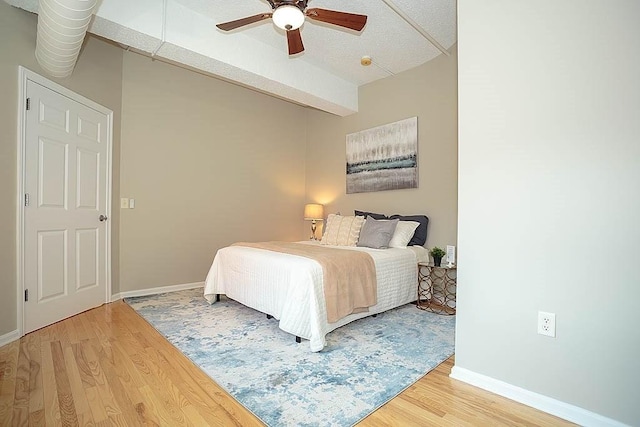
289 287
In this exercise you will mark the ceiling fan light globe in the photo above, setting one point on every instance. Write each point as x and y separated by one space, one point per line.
288 17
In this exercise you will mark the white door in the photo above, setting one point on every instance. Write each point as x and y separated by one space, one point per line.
65 180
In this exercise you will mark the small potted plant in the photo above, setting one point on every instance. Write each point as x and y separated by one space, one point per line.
437 255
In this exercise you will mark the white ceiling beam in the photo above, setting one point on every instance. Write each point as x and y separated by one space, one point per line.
192 39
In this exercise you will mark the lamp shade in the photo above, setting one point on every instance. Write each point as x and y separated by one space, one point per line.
313 211
288 17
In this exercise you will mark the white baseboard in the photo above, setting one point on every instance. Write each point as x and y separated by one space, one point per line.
14 335
546 404
154 291
9 337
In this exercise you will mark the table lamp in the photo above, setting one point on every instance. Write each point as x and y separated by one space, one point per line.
313 212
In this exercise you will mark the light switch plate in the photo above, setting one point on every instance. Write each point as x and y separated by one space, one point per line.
132 203
124 203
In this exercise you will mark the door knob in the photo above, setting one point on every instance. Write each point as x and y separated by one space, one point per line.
102 218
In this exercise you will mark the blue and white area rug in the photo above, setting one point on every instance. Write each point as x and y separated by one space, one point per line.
365 364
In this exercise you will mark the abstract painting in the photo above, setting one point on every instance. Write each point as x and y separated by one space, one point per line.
383 158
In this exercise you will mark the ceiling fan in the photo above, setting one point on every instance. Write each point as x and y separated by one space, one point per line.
289 15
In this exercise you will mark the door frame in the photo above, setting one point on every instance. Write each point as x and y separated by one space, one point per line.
24 75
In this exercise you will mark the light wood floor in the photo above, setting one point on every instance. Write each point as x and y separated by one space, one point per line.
107 366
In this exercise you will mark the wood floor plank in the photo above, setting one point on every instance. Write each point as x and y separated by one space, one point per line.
21 395
163 388
168 413
120 325
473 410
109 367
71 332
215 412
49 386
44 334
79 331
36 393
68 413
98 410
126 397
178 369
181 392
84 370
99 321
60 333
83 410
134 384
37 419
175 387
145 416
126 371
226 409
105 393
9 357
86 321
154 406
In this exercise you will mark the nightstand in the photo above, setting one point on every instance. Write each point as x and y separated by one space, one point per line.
437 288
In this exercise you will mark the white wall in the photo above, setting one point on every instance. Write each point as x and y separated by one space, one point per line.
549 196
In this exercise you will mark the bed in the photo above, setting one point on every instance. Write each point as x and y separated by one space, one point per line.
290 287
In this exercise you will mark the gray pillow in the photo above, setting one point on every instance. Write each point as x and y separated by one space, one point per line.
377 233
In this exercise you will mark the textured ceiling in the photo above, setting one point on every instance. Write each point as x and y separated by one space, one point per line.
325 76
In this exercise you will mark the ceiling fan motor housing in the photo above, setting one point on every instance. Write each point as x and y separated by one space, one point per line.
288 17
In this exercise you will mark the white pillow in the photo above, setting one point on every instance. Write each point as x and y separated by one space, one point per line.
342 230
403 234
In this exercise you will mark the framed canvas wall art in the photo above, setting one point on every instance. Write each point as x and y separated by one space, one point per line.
383 158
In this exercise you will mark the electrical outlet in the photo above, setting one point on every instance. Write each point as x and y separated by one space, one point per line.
547 324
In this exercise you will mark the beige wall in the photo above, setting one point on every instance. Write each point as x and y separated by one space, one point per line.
428 92
208 163
97 76
550 182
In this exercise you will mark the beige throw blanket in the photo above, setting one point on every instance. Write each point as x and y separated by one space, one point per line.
349 277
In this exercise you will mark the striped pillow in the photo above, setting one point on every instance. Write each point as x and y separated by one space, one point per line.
342 230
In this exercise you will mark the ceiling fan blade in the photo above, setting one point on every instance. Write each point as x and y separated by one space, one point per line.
343 19
232 25
294 39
